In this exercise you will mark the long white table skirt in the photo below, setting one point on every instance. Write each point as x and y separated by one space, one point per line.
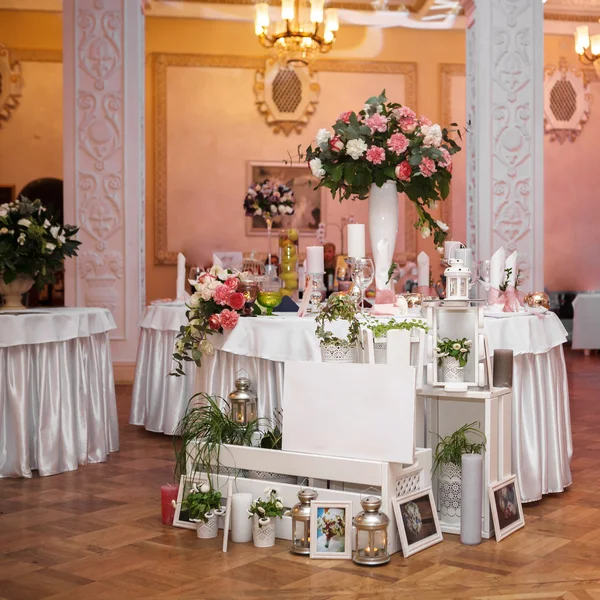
57 406
159 400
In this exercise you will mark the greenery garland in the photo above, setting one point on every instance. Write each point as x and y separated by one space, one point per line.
338 308
380 328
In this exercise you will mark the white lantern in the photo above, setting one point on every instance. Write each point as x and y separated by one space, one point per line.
458 276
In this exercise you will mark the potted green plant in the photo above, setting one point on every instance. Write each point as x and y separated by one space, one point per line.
447 457
333 348
204 507
380 330
452 356
263 514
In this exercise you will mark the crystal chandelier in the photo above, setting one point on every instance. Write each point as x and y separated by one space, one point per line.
588 47
305 30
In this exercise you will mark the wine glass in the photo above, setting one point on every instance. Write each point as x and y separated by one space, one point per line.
484 274
362 276
194 273
343 279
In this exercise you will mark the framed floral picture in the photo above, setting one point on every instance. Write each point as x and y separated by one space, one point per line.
417 521
507 511
181 517
331 530
308 202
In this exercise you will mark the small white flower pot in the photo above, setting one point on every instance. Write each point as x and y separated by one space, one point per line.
263 532
338 354
452 371
450 489
209 529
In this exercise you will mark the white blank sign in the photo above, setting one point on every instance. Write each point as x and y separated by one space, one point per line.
362 411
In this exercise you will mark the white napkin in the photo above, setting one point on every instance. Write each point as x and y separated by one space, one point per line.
180 284
497 268
423 269
511 263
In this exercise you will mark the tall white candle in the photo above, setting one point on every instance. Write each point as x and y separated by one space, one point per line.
356 240
315 260
180 285
471 498
241 525
466 255
423 269
450 247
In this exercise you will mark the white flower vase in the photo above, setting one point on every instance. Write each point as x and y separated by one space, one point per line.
209 529
13 292
453 372
450 486
332 353
263 532
380 350
383 229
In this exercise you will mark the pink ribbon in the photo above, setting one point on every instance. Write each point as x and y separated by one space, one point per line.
509 299
385 296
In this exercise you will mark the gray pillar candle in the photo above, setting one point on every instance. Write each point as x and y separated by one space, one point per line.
471 499
503 368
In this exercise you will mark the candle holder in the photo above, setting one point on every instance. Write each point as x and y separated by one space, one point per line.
316 292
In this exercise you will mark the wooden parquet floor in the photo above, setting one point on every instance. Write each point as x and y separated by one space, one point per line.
95 534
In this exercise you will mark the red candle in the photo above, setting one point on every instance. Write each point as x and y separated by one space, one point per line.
168 493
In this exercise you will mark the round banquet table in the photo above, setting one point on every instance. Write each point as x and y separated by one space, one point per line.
57 394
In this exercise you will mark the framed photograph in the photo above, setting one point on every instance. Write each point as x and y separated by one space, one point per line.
182 518
7 193
507 512
417 521
331 530
309 205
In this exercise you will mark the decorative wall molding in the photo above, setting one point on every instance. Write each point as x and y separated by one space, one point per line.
11 83
448 71
36 55
160 64
104 159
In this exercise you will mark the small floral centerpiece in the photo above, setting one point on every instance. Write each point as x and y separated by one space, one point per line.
331 525
334 348
263 513
33 246
383 142
203 505
452 355
214 307
268 199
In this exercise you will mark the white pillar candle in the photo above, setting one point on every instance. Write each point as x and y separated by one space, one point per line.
315 261
356 240
466 255
423 269
471 498
180 284
241 525
450 247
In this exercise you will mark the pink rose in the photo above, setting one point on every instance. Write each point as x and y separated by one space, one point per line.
222 294
398 143
336 144
408 124
345 116
427 167
376 155
446 160
425 121
229 319
404 171
232 283
214 322
377 122
404 113
237 300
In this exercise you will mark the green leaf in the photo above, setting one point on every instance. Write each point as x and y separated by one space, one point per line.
390 172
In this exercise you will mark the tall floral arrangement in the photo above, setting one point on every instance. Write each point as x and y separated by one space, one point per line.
386 141
214 307
269 199
33 242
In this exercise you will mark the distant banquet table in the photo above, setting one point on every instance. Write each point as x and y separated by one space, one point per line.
57 393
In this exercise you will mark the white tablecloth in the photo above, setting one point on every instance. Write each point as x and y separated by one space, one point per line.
586 322
57 393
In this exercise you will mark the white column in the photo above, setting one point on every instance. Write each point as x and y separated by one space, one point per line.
104 160
505 184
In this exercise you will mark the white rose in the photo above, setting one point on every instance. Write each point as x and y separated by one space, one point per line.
205 292
433 135
205 488
213 285
50 247
425 232
195 300
323 136
206 348
455 346
3 231
356 148
442 225
24 222
281 209
316 166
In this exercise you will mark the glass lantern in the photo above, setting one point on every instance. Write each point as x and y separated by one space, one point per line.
301 522
371 534
458 276
243 402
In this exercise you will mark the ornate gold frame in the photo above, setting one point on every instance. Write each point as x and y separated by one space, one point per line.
447 71
160 62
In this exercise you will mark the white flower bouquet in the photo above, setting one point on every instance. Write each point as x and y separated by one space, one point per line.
267 509
459 349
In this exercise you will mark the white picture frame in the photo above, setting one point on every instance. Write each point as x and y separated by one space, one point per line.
185 484
428 533
338 547
509 520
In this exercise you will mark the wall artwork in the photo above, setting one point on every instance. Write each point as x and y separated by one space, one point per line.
309 204
331 529
507 512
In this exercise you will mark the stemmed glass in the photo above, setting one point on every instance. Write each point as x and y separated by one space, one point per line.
362 276
484 274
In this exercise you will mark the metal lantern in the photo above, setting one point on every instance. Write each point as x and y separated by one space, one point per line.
301 522
371 534
243 402
458 276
